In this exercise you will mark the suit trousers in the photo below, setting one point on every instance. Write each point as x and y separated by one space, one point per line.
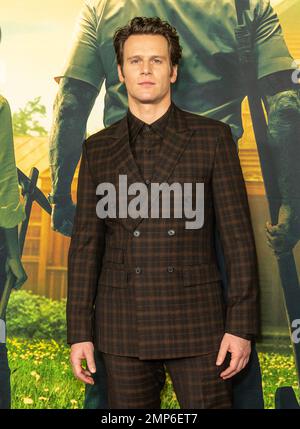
136 384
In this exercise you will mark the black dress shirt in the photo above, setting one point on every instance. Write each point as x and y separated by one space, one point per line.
145 141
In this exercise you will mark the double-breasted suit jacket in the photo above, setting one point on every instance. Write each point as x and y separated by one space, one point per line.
148 286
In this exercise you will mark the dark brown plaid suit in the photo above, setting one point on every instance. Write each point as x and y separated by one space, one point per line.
149 287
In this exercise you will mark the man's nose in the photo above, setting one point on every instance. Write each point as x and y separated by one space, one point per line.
146 67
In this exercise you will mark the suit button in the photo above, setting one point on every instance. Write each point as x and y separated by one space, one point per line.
138 270
170 269
136 233
147 181
171 232
147 128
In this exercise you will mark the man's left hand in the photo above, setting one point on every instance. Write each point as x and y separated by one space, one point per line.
240 350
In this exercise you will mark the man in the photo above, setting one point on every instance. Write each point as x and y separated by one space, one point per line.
212 85
11 214
156 285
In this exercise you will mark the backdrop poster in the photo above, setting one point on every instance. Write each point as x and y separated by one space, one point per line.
45 46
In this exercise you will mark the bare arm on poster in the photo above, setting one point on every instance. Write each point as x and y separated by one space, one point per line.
79 86
283 138
72 106
280 91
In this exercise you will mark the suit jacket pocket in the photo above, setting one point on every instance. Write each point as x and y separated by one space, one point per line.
203 273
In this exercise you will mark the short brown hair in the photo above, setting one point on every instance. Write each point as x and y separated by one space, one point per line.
148 25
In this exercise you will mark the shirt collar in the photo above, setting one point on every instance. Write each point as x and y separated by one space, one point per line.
135 124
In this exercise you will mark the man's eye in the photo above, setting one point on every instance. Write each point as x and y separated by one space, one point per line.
157 60
134 61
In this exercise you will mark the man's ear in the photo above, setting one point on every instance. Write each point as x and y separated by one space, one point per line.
121 77
174 73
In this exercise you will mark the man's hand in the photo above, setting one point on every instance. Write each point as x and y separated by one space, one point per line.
15 266
285 235
62 218
79 352
240 350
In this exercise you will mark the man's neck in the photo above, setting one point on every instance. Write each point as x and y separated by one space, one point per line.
148 112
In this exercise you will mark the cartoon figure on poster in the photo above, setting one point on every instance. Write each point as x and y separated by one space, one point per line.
12 213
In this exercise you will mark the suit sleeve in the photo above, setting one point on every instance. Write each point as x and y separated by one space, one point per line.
234 223
84 258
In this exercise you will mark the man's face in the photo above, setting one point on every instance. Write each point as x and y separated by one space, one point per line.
146 67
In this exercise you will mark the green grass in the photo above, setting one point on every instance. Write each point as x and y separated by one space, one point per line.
277 371
41 376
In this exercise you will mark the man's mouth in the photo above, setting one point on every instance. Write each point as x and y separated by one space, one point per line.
146 83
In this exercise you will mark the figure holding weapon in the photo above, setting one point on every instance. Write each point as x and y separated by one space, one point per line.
12 212
279 153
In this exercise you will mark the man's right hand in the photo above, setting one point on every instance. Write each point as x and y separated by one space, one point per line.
79 352
62 218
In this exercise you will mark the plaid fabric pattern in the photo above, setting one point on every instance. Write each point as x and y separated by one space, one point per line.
150 287
135 383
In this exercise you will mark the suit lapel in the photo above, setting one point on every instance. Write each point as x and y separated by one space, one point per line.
122 157
176 137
